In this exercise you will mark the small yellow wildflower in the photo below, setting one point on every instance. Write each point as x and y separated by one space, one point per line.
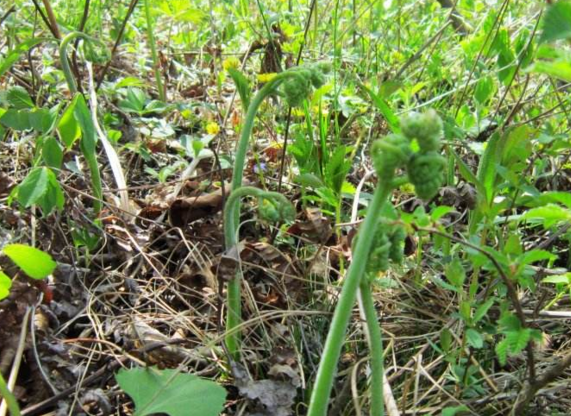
212 128
231 63
266 77
297 112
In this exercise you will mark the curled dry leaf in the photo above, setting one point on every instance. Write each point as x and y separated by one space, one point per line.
183 211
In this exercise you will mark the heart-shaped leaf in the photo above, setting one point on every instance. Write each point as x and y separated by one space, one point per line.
171 392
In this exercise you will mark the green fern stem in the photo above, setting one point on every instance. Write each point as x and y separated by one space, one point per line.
65 61
376 350
336 336
7 395
297 77
231 218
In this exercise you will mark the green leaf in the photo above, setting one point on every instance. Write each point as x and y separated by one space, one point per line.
52 153
42 188
13 56
517 340
482 310
559 279
484 90
440 211
18 98
309 180
502 351
453 411
474 338
134 102
33 187
42 119
68 127
560 69
171 392
384 109
16 119
455 272
243 87
557 22
35 263
83 117
446 340
5 285
487 166
549 214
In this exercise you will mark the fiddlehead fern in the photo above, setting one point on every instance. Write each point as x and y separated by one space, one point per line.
297 83
426 173
272 207
379 241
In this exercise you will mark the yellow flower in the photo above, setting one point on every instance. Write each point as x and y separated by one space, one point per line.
298 112
212 128
266 77
231 63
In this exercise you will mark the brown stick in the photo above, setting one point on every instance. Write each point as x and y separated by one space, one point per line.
52 19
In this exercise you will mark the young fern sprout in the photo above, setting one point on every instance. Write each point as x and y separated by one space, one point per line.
272 207
296 84
378 242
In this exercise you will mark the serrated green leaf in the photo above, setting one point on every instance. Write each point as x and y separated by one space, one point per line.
18 98
517 340
5 285
474 338
171 392
502 351
35 263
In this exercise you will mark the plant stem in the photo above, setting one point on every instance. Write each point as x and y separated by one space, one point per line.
9 397
65 61
233 298
334 343
375 350
154 56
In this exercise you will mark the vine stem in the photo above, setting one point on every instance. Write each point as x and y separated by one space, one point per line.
9 397
328 365
375 349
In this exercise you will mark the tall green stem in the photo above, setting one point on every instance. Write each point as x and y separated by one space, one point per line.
232 212
154 56
334 343
7 395
233 300
375 350
65 61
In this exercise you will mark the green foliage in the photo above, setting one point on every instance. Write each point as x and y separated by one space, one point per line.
5 285
35 263
557 22
171 392
42 188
